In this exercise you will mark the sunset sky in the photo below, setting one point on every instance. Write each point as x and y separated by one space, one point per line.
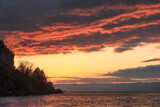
85 41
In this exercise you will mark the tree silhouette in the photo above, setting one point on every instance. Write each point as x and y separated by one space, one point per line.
23 80
39 75
31 81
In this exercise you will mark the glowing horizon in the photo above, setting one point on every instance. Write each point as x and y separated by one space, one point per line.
85 41
91 65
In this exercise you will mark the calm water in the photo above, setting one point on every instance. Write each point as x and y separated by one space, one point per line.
70 99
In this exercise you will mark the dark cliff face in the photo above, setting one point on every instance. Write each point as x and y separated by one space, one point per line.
6 67
21 81
6 56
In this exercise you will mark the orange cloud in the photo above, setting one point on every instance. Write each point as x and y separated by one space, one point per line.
122 25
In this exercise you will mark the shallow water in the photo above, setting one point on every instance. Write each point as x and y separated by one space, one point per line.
85 99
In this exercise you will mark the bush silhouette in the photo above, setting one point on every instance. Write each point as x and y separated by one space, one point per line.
23 80
31 81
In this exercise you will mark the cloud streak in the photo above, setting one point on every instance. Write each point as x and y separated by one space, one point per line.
146 74
151 60
63 26
152 71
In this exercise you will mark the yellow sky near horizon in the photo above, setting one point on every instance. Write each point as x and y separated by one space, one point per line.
85 39
80 64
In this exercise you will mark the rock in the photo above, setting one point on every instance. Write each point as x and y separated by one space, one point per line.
59 91
14 82
6 75
6 81
6 56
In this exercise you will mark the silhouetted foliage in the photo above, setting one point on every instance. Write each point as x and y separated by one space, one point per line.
25 67
23 80
31 81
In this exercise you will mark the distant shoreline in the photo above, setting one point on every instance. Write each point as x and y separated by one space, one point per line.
105 92
132 87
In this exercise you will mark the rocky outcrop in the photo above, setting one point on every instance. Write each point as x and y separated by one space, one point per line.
6 81
6 67
6 56
21 81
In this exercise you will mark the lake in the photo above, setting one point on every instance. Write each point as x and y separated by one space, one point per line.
84 99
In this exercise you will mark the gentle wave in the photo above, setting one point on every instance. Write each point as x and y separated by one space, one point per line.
84 99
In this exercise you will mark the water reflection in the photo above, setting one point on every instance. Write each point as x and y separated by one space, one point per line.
85 100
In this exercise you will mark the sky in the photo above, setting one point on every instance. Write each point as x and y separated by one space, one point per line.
85 41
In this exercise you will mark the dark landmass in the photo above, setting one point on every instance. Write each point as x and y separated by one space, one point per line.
130 87
23 80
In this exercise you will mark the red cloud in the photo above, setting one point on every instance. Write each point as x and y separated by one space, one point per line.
89 29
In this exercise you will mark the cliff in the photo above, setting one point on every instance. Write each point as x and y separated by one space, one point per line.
6 56
23 80
6 66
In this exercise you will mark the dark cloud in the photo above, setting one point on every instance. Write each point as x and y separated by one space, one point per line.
125 48
62 26
133 21
148 74
26 42
78 40
152 60
1 37
22 15
103 80
94 49
70 4
95 80
93 42
152 71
